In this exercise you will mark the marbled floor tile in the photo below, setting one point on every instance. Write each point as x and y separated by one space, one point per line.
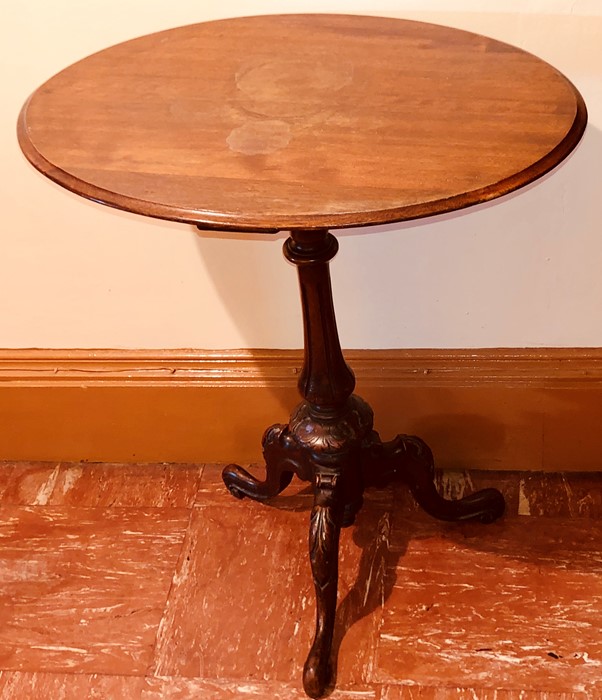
364 559
455 485
408 692
541 494
243 605
97 485
68 686
363 552
197 689
6 471
231 611
516 602
561 495
83 590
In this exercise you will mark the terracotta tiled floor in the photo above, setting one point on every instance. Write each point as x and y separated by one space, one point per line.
151 581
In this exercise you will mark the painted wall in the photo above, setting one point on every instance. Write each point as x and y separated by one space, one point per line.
524 271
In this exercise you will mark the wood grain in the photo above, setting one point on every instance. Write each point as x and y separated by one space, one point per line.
570 368
487 409
301 122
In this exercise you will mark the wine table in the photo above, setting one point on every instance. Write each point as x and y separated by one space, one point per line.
309 124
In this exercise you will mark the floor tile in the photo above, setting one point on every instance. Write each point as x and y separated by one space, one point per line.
540 494
231 612
83 590
518 601
195 689
243 602
95 485
364 555
561 495
399 692
6 471
151 581
68 686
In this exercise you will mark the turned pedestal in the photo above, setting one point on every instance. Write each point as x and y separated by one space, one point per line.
330 442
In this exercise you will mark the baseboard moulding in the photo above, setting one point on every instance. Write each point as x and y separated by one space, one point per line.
516 409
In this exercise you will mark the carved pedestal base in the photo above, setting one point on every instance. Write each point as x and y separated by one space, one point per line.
341 454
330 442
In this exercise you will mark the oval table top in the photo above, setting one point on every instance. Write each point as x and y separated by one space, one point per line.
301 122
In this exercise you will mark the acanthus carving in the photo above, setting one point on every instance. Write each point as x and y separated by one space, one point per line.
321 535
332 434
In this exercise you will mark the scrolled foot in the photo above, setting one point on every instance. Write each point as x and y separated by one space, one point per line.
280 469
233 476
409 458
486 506
241 483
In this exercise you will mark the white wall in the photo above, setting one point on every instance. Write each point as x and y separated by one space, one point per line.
523 271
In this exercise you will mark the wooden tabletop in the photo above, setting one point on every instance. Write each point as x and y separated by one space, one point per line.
301 121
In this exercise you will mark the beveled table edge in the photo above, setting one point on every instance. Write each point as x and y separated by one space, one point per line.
213 220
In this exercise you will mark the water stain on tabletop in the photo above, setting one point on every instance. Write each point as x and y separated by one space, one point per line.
273 97
290 88
259 137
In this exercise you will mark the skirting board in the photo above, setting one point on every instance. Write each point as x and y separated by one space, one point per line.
526 409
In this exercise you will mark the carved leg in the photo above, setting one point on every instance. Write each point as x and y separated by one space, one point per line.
278 453
324 529
329 440
410 459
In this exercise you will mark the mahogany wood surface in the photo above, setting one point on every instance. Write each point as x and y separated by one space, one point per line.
301 122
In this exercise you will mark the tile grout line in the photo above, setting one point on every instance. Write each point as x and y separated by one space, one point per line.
152 667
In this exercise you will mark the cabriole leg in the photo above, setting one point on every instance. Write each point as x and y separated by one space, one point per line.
324 529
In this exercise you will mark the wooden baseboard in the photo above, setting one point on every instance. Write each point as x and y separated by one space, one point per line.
481 409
